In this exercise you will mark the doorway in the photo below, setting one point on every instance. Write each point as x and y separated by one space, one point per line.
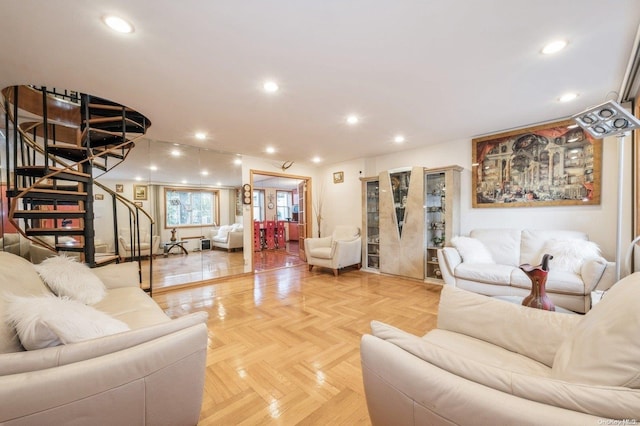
283 199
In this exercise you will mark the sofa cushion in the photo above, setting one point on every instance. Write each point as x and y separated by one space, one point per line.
472 250
503 244
47 321
603 348
67 277
132 306
484 273
322 252
19 278
534 240
558 281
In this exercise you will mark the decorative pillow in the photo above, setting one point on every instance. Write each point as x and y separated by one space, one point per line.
236 227
568 255
47 321
472 250
67 277
223 231
604 346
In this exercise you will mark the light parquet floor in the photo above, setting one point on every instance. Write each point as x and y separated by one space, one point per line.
284 344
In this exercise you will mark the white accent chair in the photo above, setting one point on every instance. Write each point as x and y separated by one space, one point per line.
343 248
148 244
494 362
228 237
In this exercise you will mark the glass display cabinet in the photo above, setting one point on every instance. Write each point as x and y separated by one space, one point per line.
371 223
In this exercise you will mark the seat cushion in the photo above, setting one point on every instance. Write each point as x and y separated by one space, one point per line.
484 273
132 306
321 252
558 281
604 348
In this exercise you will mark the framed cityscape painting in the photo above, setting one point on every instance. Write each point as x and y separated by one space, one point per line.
553 164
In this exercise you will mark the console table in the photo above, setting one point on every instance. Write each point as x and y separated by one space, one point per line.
166 247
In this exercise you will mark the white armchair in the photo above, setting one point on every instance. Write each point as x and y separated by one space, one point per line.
148 244
229 237
343 248
495 362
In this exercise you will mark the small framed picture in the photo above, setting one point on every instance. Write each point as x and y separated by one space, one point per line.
98 196
119 187
338 177
139 192
138 203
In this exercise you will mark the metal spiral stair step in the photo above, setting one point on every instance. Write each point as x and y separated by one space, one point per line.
69 152
54 231
42 171
51 194
49 214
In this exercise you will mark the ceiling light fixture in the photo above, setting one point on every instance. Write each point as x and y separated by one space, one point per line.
175 153
237 161
153 168
270 150
554 47
270 86
316 159
399 139
204 173
610 119
117 24
201 136
353 119
568 97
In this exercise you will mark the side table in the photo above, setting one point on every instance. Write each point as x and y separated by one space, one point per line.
166 247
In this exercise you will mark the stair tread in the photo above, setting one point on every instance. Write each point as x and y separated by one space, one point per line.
37 169
53 231
56 191
48 213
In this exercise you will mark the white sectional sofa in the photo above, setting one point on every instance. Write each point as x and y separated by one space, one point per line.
488 263
491 362
150 374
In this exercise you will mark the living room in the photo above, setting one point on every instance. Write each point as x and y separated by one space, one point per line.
438 110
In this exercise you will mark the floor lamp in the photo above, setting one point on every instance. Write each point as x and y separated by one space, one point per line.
610 119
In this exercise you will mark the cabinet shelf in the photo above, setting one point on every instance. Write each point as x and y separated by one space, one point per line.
371 217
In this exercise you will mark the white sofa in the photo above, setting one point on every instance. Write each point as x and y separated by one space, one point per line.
152 374
341 249
228 237
491 362
492 268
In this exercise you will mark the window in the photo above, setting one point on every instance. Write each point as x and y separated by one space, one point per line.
284 201
258 205
190 207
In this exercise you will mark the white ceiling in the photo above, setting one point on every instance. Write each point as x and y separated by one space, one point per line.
434 71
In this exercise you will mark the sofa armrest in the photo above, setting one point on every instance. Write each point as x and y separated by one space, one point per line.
235 239
607 279
448 260
159 380
348 253
475 315
118 275
592 271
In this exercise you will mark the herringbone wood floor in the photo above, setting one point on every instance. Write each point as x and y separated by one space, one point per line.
284 344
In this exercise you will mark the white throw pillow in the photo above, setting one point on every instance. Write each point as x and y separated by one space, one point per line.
472 250
223 231
67 277
47 321
568 255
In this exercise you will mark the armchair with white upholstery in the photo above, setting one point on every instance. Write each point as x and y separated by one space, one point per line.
341 249
229 237
494 362
148 244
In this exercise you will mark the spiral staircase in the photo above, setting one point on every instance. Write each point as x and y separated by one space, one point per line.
58 144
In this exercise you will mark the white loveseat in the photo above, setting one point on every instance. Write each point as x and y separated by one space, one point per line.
492 268
152 374
228 237
491 362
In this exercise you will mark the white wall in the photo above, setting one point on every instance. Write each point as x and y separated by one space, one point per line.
599 221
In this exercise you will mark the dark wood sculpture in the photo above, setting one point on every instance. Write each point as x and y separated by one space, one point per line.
538 275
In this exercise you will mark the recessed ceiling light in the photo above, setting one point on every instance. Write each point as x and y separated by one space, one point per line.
352 119
175 153
554 47
399 139
316 159
201 136
219 183
184 181
270 86
237 161
153 168
118 24
204 173
138 178
270 150
567 97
